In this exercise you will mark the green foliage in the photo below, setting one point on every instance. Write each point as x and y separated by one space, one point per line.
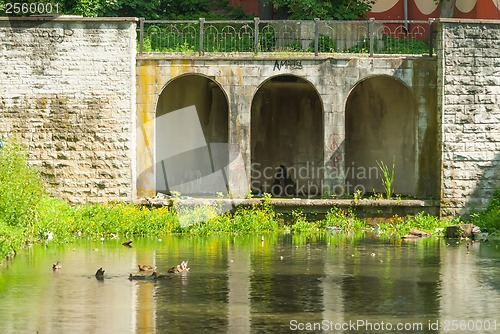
388 179
402 45
238 13
399 226
391 45
267 40
222 38
300 224
174 10
151 9
294 46
258 218
20 187
357 196
430 224
11 240
184 37
325 9
325 44
345 221
86 7
489 219
20 191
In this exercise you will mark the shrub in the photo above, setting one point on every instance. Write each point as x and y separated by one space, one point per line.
21 187
489 219
20 192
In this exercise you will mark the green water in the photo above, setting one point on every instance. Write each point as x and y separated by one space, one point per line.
284 283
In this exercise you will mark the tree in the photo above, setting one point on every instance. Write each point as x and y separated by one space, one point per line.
155 9
325 9
152 9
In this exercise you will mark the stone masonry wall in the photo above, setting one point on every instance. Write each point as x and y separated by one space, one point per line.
67 92
469 100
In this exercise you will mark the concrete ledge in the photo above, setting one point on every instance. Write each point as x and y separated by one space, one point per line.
241 56
363 208
468 21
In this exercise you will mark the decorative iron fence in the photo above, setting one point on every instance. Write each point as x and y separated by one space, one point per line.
314 37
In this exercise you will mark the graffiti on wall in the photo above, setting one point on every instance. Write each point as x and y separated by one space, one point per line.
287 64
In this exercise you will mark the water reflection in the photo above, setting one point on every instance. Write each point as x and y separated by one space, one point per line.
246 284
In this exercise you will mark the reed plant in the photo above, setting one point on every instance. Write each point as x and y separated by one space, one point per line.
388 179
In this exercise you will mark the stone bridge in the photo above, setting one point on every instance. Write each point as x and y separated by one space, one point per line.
327 119
105 123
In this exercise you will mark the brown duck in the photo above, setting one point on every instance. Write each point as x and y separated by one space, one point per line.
180 268
145 267
56 266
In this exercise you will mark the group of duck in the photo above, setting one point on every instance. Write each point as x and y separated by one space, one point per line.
99 275
180 268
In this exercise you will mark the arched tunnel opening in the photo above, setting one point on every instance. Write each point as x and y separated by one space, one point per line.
191 136
287 138
380 128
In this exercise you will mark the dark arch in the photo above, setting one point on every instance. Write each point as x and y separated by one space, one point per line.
381 124
187 143
287 145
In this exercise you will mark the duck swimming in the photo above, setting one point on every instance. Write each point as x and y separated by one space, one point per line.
180 268
56 266
127 243
145 267
99 274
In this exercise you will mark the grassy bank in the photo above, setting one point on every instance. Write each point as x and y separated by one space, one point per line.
28 215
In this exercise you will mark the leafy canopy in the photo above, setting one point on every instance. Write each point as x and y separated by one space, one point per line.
210 9
150 9
325 9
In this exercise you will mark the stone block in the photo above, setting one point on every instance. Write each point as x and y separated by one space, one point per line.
474 156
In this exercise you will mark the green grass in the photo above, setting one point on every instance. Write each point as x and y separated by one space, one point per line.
400 226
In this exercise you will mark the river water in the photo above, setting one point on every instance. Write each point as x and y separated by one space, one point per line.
256 284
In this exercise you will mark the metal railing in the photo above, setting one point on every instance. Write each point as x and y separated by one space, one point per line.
313 36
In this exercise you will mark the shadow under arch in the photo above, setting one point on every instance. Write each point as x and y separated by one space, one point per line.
381 125
286 136
199 141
